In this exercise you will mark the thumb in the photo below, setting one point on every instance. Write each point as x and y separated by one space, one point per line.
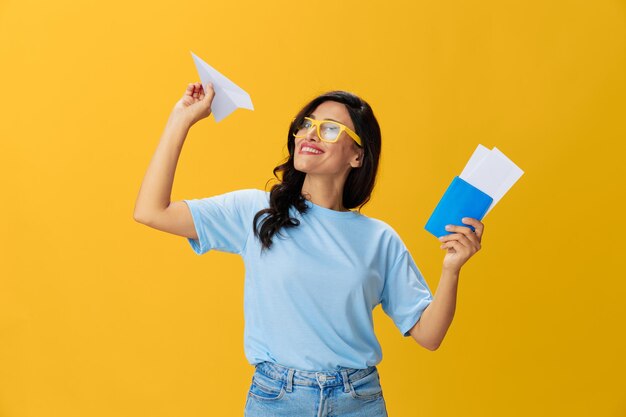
208 94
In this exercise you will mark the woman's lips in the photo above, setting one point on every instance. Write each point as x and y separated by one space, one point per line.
309 152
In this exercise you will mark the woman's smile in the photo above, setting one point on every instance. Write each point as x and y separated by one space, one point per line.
307 150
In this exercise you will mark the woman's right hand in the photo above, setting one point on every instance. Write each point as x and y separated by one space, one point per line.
195 104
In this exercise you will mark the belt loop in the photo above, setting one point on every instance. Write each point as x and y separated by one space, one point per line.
290 380
344 376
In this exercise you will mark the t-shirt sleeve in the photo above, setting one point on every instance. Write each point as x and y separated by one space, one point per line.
405 294
223 222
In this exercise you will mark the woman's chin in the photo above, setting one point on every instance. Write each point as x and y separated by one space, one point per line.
301 167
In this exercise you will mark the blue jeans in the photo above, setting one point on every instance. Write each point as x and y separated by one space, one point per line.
277 391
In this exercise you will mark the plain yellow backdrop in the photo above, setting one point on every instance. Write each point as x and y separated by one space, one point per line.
103 316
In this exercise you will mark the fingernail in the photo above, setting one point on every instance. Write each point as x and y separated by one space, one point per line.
448 227
464 219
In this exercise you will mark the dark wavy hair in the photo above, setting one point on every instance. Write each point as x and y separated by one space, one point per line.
359 183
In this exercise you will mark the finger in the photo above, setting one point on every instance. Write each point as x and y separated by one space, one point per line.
187 100
458 248
458 237
453 244
461 229
210 92
471 234
478 226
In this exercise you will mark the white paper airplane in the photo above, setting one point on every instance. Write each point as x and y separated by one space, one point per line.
228 95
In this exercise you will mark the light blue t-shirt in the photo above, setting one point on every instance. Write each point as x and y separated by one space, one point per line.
308 300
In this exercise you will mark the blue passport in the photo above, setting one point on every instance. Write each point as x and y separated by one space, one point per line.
461 199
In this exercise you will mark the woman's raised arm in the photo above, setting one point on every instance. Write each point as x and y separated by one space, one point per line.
153 206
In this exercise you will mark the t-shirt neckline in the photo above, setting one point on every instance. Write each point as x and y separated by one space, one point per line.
330 212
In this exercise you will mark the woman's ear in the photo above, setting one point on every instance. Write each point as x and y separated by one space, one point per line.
359 158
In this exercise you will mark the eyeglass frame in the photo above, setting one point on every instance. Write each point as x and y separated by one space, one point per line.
317 123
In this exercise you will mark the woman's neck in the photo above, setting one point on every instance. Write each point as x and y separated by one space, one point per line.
323 193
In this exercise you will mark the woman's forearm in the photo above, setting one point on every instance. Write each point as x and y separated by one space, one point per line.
437 317
156 188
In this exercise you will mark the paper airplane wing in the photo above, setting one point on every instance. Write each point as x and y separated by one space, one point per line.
228 95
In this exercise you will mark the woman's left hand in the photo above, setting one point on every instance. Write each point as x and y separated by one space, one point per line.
462 244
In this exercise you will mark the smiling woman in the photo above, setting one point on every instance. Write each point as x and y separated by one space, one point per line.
315 267
343 172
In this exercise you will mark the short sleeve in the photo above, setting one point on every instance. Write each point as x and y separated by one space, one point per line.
223 222
405 294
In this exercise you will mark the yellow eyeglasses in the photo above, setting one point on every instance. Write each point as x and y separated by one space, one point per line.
327 130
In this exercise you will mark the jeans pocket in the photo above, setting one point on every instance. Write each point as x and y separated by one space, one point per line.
367 388
266 388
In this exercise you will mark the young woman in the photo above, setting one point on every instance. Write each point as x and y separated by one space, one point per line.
315 268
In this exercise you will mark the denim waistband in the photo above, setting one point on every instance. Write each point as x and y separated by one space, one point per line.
312 378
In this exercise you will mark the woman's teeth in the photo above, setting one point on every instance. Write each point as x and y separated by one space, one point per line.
307 149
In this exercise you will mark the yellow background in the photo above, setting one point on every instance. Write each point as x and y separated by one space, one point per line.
103 316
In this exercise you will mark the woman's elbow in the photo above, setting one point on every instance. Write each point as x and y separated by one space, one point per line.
429 346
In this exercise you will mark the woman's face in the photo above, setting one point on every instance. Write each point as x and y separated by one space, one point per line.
337 158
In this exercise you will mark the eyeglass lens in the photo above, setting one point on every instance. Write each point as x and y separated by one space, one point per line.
328 130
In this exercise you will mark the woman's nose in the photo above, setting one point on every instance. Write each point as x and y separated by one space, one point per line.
312 133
